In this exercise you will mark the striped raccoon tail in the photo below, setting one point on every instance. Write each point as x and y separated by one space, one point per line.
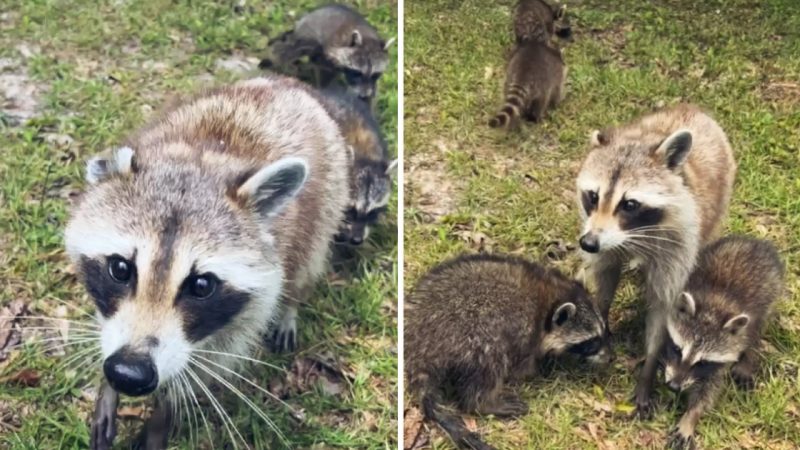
452 425
511 111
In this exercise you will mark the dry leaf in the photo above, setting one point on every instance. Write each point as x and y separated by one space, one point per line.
25 377
413 437
309 371
131 412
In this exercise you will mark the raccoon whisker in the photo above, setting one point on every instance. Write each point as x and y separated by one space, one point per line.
181 408
197 407
246 358
79 354
641 249
50 348
658 238
79 322
656 227
244 398
220 410
89 361
237 375
77 330
658 249
73 307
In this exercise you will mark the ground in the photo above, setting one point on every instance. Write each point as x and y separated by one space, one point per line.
76 77
471 188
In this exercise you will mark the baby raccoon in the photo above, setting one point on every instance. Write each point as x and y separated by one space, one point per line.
653 191
717 323
534 21
339 39
535 80
201 232
371 171
476 322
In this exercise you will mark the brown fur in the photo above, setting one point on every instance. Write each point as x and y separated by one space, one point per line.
477 322
534 21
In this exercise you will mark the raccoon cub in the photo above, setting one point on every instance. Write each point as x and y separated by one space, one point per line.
339 39
371 171
536 73
717 323
202 231
653 191
535 21
476 322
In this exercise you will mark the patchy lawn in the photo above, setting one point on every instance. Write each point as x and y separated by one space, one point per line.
75 78
469 187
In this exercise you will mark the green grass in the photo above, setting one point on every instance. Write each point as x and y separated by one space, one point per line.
739 59
104 68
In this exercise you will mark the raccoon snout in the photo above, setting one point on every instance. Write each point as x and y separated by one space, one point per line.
131 373
674 386
590 243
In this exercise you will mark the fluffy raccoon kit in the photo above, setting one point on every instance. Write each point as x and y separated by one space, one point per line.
476 323
203 231
717 322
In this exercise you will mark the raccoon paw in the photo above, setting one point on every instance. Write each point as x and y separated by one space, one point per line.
284 338
744 381
473 441
104 430
677 441
644 409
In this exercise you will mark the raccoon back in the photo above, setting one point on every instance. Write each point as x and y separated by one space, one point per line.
357 124
534 20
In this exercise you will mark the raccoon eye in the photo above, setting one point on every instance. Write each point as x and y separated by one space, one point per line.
201 286
375 214
593 198
675 349
120 269
630 205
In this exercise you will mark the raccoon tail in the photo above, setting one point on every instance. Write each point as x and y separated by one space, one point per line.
452 425
512 109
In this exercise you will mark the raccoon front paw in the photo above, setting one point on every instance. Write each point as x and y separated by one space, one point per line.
744 381
644 409
677 441
104 420
284 338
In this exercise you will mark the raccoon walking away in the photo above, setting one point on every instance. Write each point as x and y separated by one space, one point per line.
535 21
371 170
653 191
476 322
197 235
717 323
339 39
535 80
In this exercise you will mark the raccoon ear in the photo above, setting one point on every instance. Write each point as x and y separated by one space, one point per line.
676 148
109 163
388 43
270 189
563 313
391 169
598 139
356 39
737 324
559 13
686 304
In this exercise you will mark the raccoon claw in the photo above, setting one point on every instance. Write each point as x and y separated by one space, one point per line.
744 382
677 441
644 410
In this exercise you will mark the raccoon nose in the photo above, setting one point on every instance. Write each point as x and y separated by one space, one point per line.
590 243
131 373
357 240
674 386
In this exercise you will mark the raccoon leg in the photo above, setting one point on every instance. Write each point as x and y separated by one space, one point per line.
525 370
155 433
743 371
536 110
605 275
503 405
700 399
452 424
284 337
655 330
104 420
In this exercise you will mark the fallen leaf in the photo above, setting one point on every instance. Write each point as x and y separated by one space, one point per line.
10 334
25 377
131 412
413 437
626 408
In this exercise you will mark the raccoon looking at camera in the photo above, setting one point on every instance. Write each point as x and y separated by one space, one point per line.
201 233
653 192
476 322
371 171
340 40
717 323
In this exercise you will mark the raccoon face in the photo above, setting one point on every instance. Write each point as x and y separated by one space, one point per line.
178 259
362 62
370 191
575 325
632 197
700 342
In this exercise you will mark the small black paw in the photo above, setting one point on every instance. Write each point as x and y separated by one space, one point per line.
677 441
512 407
282 341
104 430
744 381
644 409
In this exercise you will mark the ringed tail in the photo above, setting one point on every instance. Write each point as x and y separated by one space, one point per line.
511 110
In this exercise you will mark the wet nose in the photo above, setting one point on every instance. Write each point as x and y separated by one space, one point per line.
590 243
674 386
357 240
131 373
